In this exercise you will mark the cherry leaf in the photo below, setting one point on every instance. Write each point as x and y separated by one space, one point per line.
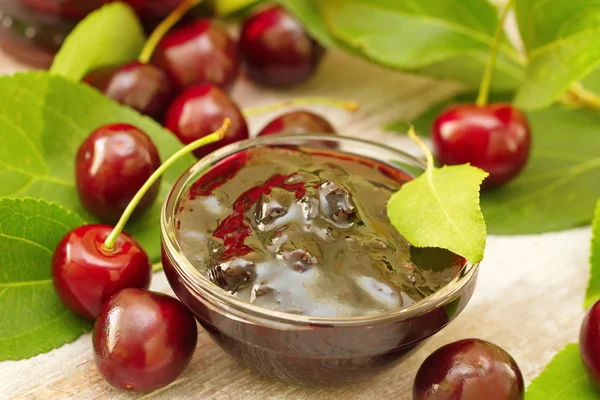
110 35
32 318
440 208
564 378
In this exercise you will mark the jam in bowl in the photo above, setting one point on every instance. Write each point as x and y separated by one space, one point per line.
282 248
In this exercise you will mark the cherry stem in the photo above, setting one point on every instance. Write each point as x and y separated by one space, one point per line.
164 27
325 101
486 80
577 95
413 136
110 241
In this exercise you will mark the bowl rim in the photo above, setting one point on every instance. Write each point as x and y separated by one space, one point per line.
244 310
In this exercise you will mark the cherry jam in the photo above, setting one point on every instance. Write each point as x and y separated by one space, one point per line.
307 233
287 259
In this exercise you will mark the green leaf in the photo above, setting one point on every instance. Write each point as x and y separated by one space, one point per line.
44 119
593 289
440 208
444 38
109 35
227 7
561 41
32 318
564 378
559 187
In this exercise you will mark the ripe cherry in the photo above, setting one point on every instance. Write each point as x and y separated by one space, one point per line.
297 122
589 343
276 49
144 87
200 110
85 274
469 369
93 262
112 164
143 340
202 52
151 9
494 137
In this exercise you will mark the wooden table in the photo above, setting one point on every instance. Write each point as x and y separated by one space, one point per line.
528 298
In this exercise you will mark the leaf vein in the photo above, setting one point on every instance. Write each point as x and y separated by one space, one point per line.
24 240
439 201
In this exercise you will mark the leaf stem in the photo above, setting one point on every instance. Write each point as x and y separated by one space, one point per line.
110 241
164 27
326 101
486 80
413 135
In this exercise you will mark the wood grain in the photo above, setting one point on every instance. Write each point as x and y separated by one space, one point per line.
528 298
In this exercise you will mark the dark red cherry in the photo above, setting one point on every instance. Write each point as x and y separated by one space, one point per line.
201 110
143 340
297 122
495 138
276 50
469 369
112 164
150 9
589 343
86 275
143 87
202 52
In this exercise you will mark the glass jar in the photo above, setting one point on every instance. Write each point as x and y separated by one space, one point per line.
296 348
34 30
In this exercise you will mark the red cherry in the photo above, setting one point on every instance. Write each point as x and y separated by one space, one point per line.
143 340
150 9
276 49
112 164
201 110
143 87
469 369
85 274
495 138
202 52
74 9
589 343
297 122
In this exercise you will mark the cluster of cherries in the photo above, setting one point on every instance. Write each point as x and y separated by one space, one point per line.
142 340
183 78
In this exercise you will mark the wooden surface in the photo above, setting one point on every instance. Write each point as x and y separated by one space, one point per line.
528 299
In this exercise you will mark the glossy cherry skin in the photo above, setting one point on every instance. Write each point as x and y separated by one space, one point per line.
112 164
143 87
201 52
297 122
85 275
143 340
199 111
276 50
469 369
495 138
589 343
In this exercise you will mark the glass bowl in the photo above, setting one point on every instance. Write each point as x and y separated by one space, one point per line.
301 349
